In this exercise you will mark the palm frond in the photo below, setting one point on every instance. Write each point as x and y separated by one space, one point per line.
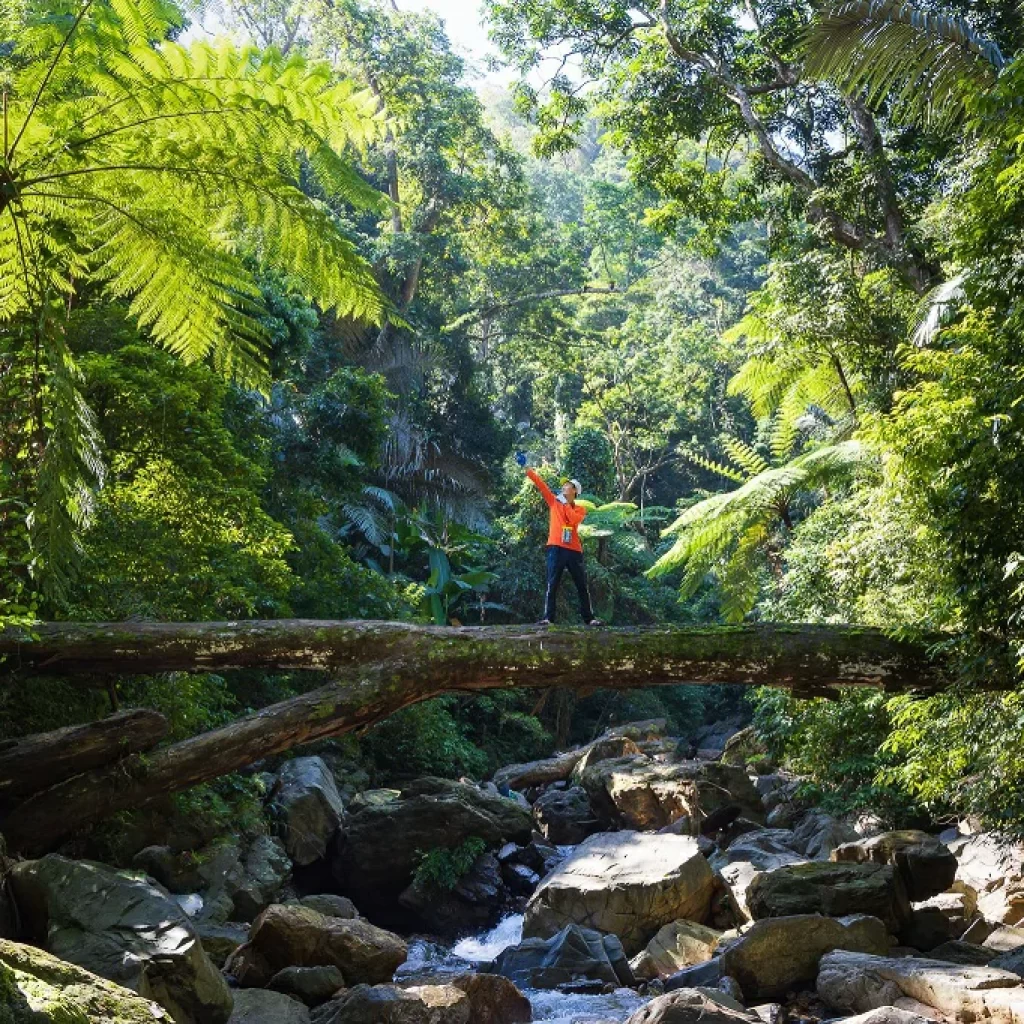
928 65
936 310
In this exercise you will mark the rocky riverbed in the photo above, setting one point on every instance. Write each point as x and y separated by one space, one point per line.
638 879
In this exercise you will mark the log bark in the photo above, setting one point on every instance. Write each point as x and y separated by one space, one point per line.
388 666
755 655
34 763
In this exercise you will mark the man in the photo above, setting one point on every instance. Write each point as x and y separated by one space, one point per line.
564 550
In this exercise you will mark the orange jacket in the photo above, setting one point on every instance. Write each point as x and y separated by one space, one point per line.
562 519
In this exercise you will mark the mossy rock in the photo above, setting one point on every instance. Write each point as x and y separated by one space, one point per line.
37 988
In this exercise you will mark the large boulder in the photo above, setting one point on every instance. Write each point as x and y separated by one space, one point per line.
889 1015
605 749
573 954
993 871
313 985
389 1004
817 834
677 945
860 982
641 793
124 928
330 905
627 884
925 865
379 848
745 747
694 1006
493 999
307 808
257 1006
564 816
753 853
295 936
822 887
237 882
473 904
37 988
776 955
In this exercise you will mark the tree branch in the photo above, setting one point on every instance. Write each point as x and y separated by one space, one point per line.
484 312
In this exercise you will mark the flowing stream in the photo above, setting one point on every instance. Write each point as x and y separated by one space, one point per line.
432 962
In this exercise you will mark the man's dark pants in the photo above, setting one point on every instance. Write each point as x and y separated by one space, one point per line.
560 559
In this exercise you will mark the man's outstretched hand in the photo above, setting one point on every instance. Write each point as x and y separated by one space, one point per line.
521 458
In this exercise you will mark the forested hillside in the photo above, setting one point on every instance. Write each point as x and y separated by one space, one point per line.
285 313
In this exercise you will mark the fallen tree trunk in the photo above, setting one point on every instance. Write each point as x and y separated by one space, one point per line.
763 654
34 763
419 662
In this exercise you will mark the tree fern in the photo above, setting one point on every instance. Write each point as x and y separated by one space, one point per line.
785 383
162 175
726 532
928 65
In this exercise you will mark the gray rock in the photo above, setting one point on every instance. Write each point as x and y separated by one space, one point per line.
751 854
126 929
925 865
240 883
389 1004
706 975
380 847
565 816
957 951
641 793
675 947
572 954
220 940
475 903
927 928
257 1006
889 1015
330 905
178 872
294 936
265 869
313 985
627 884
1013 961
821 887
37 988
693 1006
859 982
993 871
776 955
820 834
307 807
493 999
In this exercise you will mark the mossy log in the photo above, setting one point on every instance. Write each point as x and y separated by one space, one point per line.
34 763
383 667
761 654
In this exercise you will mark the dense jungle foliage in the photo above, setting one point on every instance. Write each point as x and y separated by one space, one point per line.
276 313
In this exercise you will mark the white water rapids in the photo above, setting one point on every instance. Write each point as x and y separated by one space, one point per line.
430 961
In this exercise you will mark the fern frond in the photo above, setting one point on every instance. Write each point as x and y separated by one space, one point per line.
744 456
711 532
737 476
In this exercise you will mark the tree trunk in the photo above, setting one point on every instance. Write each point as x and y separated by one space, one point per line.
34 763
388 666
755 654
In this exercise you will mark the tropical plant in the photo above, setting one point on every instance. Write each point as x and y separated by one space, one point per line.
927 65
729 531
162 175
